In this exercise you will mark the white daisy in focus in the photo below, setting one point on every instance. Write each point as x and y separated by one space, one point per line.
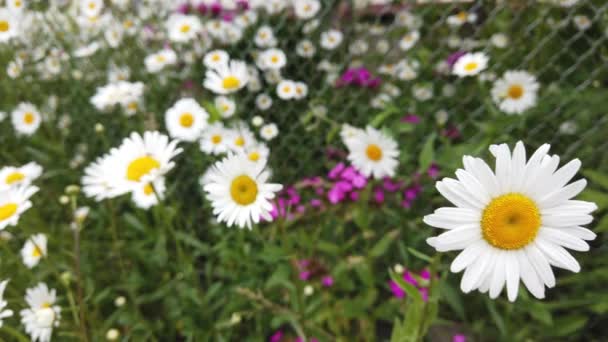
373 153
227 78
33 250
215 139
14 201
409 40
514 223
26 118
159 60
4 313
263 101
215 58
286 89
515 92
306 9
269 131
331 39
11 176
225 105
239 192
183 28
186 120
9 25
42 315
147 195
470 64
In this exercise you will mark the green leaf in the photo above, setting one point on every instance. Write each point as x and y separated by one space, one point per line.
500 323
597 177
568 325
382 246
427 154
419 254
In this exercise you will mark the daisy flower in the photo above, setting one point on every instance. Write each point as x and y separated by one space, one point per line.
159 60
263 101
461 18
227 78
214 139
373 153
514 223
91 8
331 39
348 133
264 37
183 28
470 64
9 25
146 195
186 120
216 58
26 118
4 313
273 59
241 137
301 90
225 106
96 182
239 192
14 201
40 318
23 175
409 40
582 22
257 153
33 250
306 9
16 6
515 92
286 89
269 131
305 48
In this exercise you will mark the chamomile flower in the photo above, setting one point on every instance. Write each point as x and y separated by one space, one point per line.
14 201
514 223
239 192
331 39
186 120
16 6
26 119
373 153
264 37
147 195
286 89
305 48
263 101
33 250
470 64
9 25
306 9
14 68
42 315
301 90
225 106
257 153
461 18
214 59
241 137
91 8
159 60
11 176
183 28
269 131
215 139
273 59
227 78
515 92
409 40
4 313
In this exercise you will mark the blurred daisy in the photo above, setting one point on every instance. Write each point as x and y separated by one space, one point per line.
264 37
186 120
183 28
214 140
214 59
147 195
26 118
14 68
263 101
301 90
14 201
33 250
348 133
331 39
225 106
373 153
461 18
257 121
22 175
269 131
42 315
470 64
241 137
226 78
159 60
4 313
582 22
515 92
96 182
257 153
305 48
499 40
9 25
409 40
16 6
91 8
514 223
273 59
239 192
286 89
306 9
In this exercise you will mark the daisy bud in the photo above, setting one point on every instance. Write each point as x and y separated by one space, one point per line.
235 318
66 278
64 199
308 290
120 301
398 268
99 128
112 334
72 189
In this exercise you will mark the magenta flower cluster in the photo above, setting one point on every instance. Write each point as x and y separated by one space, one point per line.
420 282
214 9
360 77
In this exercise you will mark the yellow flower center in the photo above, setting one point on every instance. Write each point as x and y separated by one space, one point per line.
215 57
373 152
515 91
186 120
17 3
132 106
240 141
470 66
46 305
92 5
148 189
510 221
7 210
216 139
160 58
462 15
128 24
141 167
287 89
254 156
274 59
243 190
185 28
231 82
28 118
225 108
14 177
36 253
